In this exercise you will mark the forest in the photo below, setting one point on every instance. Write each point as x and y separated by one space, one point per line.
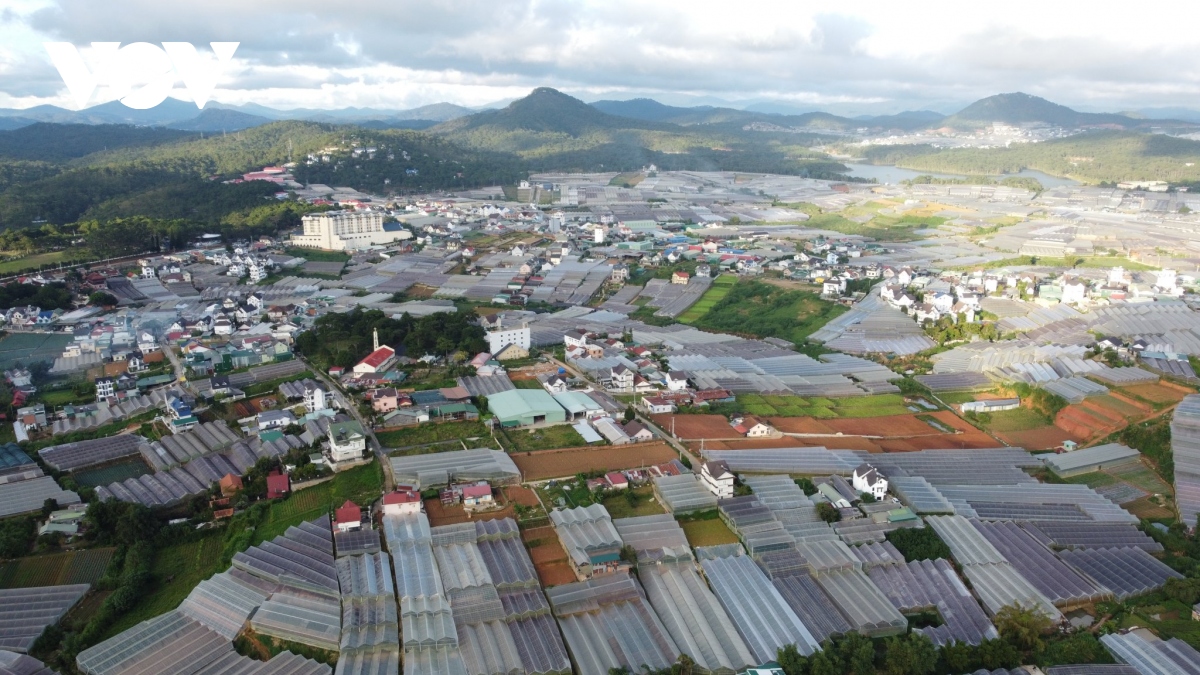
1094 157
46 296
345 339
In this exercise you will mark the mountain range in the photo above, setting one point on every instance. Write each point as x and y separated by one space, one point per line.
1014 108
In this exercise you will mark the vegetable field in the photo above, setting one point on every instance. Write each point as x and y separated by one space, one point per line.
59 569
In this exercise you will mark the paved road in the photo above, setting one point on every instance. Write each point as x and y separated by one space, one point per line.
176 363
389 481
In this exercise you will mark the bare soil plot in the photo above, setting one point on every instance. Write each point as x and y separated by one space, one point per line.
695 427
1043 438
544 464
1155 393
549 558
440 514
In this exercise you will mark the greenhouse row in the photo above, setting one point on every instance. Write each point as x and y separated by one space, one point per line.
587 534
365 575
683 494
967 544
654 538
70 456
1091 535
932 585
310 620
26 612
301 558
464 466
1045 571
1124 572
999 584
862 603
761 615
815 610
357 542
1153 657
1185 447
224 601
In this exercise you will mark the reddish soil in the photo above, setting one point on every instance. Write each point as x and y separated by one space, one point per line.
1140 406
1044 438
802 425
904 433
1086 421
891 426
545 464
695 427
1163 392
520 495
549 558
452 515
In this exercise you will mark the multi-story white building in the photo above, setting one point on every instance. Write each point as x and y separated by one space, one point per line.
502 337
347 441
347 230
314 398
717 477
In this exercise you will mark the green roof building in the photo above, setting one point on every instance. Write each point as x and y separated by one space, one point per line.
524 407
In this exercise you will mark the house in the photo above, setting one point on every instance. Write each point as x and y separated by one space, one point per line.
620 273
278 485
555 384
348 517
752 427
32 417
616 480
677 380
703 271
833 287
717 477
347 441
1073 292
680 277
576 339
622 378
337 371
401 501
502 337
512 352
106 388
926 312
385 400
477 497
315 398
657 405
377 361
230 484
275 419
638 432
867 479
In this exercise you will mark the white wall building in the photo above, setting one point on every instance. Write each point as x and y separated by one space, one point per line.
717 477
315 399
867 479
502 337
346 231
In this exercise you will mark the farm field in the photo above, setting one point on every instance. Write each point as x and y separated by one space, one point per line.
879 405
432 433
1021 419
548 556
177 570
58 569
35 261
542 438
643 503
113 473
708 532
763 310
570 461
695 427
362 485
454 514
717 292
1159 393
30 348
1041 438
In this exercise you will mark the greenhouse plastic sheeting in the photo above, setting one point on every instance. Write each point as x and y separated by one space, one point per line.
1125 572
1040 567
763 618
26 612
933 585
694 617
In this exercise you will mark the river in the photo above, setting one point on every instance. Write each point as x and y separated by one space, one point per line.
895 174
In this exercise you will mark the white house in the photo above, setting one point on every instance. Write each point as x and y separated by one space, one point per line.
105 388
575 338
677 380
717 477
868 479
752 427
656 405
502 337
622 378
314 398
556 384
347 441
402 501
1073 292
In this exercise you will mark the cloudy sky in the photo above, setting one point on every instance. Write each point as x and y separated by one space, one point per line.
863 57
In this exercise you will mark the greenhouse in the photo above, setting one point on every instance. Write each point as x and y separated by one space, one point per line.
814 461
865 606
1091 535
1125 572
427 622
968 546
814 608
26 612
301 558
916 493
694 618
932 585
762 617
882 553
168 643
465 466
999 584
655 538
378 663
1040 567
1153 657
224 601
25 496
434 661
607 623
70 456
1185 447
991 466
357 542
588 536
365 575
824 556
310 620
683 494
369 625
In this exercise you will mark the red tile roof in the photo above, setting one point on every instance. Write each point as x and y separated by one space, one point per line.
477 491
378 357
277 485
348 513
401 497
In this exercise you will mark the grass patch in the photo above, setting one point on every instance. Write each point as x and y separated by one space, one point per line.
530 383
717 292
542 438
819 407
35 262
709 532
433 433
1094 479
59 569
1021 419
314 255
361 485
628 179
642 503
177 570
762 310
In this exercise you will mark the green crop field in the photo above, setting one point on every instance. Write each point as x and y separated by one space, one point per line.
361 485
542 438
819 407
432 433
708 532
59 569
717 292
1021 419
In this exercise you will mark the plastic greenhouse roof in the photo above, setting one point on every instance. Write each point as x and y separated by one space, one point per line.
759 612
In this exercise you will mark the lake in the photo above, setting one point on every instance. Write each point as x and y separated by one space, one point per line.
894 174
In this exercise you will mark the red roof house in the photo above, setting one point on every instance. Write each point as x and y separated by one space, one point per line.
278 485
377 361
402 501
348 517
617 480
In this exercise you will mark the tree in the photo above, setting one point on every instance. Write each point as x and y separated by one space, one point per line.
918 544
958 657
1186 591
630 415
825 663
828 513
912 655
998 653
1079 648
806 484
102 299
791 660
1022 627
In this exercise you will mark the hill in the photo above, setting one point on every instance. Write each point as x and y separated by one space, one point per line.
1020 108
219 119
647 109
553 131
1095 157
61 142
734 119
